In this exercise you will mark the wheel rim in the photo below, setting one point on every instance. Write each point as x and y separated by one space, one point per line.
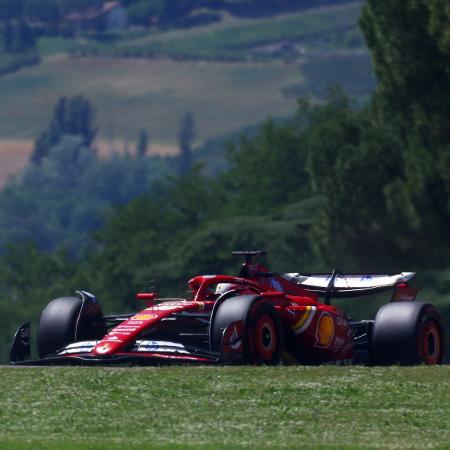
265 338
430 343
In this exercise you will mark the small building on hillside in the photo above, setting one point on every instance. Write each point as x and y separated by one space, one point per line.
110 17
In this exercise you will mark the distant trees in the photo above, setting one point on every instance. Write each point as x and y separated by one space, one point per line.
43 16
68 191
47 16
142 145
45 12
25 37
69 194
173 10
8 37
17 37
186 136
17 45
10 9
142 12
77 5
166 12
73 116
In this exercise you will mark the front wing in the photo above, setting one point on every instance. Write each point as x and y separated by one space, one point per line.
144 359
143 352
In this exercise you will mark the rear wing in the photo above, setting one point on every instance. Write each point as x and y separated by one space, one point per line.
340 285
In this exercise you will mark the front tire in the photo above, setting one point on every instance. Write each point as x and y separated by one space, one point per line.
266 332
63 321
408 334
260 329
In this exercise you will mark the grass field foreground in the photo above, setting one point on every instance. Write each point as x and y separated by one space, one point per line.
225 407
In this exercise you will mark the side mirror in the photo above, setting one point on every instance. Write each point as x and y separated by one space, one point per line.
147 297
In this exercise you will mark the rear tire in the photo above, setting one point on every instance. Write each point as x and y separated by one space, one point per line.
61 324
408 334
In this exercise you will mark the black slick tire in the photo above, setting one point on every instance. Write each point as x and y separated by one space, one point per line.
262 329
62 322
407 334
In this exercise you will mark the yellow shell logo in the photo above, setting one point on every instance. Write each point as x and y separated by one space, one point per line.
144 317
325 330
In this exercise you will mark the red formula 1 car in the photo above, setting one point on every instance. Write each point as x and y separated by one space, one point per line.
258 317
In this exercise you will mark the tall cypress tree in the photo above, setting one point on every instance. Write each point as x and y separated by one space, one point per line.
142 146
8 37
186 137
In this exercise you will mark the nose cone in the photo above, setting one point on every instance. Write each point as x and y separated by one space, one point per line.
106 348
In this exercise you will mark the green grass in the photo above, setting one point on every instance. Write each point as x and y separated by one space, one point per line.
225 407
55 45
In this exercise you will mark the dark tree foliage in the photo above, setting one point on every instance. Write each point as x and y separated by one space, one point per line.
80 5
8 37
143 12
267 171
174 10
409 42
47 12
351 161
18 37
439 11
29 278
11 9
25 37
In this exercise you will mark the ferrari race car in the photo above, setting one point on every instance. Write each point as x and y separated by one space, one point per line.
258 317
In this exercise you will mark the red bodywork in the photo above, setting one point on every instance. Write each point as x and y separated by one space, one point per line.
258 317
320 331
